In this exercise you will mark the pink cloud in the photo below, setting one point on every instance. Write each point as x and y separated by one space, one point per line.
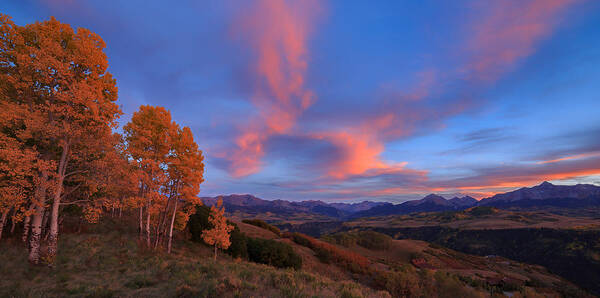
509 31
277 30
498 39
571 157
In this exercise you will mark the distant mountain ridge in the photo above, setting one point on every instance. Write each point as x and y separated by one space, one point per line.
252 204
545 194
466 201
430 203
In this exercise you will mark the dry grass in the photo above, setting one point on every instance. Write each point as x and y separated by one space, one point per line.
473 270
255 232
106 261
111 264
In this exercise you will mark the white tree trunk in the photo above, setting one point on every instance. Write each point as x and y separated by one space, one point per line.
171 228
44 229
36 223
3 222
26 223
148 224
13 222
141 229
53 238
35 235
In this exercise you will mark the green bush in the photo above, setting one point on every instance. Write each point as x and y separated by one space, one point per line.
256 250
374 240
301 239
323 255
341 238
273 253
198 222
366 239
482 210
262 224
239 246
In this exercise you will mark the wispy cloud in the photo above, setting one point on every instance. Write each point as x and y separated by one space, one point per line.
519 175
570 157
277 31
500 36
341 150
509 31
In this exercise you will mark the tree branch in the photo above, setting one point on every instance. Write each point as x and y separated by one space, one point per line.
75 172
75 202
71 190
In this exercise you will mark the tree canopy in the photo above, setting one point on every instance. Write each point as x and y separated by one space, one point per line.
58 145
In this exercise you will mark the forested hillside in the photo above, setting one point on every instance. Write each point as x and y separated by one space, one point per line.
572 254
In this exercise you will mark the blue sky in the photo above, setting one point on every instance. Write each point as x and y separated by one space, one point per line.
349 100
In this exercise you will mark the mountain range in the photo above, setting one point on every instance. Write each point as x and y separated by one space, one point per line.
547 194
544 195
251 204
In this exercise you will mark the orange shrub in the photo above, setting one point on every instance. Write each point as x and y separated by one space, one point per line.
352 261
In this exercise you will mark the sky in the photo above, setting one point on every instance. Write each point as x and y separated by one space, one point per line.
345 101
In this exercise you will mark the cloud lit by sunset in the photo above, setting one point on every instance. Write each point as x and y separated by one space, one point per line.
339 100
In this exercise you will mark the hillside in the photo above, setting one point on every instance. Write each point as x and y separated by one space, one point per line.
476 271
572 254
106 261
564 243
421 266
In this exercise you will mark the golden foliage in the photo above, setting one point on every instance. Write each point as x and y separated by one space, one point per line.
219 234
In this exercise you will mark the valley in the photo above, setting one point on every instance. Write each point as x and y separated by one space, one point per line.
472 250
556 227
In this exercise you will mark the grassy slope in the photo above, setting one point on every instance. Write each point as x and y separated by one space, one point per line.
106 261
472 268
310 262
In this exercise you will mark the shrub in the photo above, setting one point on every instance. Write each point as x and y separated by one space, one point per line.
198 222
374 240
323 255
366 239
482 210
262 224
238 247
398 284
140 281
257 250
273 253
449 285
326 252
341 238
300 239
